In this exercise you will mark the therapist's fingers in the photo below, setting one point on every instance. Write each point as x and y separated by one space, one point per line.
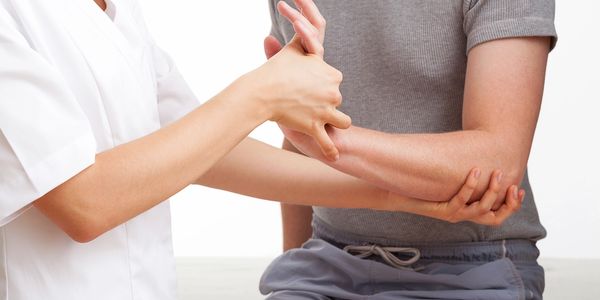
310 10
325 143
272 46
339 119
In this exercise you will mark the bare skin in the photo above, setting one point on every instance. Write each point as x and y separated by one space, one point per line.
101 4
501 107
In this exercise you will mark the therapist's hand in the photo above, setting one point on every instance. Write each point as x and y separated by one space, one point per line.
309 25
308 146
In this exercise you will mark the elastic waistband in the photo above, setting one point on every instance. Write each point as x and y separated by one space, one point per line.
515 249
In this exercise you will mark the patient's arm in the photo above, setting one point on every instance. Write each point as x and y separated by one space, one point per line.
256 169
503 92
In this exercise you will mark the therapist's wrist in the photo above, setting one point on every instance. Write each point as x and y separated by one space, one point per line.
248 92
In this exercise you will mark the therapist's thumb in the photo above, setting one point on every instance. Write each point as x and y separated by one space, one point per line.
272 46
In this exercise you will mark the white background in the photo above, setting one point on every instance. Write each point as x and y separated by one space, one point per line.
216 41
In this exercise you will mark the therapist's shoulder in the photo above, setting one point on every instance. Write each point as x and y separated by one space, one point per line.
7 14
11 27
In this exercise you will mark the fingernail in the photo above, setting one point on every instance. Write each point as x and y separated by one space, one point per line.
499 177
524 194
516 192
477 173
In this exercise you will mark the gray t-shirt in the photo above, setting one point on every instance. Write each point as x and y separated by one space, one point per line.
404 66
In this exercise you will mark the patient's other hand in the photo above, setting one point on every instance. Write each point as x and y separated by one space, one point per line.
458 209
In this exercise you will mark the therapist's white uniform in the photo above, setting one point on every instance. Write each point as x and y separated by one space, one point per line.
76 81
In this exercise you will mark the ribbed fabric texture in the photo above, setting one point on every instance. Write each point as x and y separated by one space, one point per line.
404 65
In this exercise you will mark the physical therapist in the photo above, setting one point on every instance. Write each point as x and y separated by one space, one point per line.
98 129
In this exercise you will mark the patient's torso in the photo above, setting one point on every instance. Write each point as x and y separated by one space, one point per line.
404 66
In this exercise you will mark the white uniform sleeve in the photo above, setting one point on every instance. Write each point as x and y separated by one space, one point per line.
175 98
45 138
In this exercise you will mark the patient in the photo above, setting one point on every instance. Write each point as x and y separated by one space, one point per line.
434 88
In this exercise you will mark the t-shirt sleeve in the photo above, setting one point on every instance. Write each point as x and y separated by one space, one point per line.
45 137
487 20
276 29
175 97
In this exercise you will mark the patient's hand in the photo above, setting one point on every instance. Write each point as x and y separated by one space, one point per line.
459 208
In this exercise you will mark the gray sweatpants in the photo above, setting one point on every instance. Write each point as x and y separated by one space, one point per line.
322 270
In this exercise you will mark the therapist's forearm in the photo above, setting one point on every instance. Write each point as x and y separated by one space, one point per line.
259 170
132 178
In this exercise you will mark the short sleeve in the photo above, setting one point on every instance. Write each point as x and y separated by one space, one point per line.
275 27
487 20
45 138
175 98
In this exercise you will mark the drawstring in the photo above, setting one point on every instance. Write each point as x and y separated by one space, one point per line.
387 254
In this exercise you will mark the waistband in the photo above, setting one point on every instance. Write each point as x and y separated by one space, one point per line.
514 249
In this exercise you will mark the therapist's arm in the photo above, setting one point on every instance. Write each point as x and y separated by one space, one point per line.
129 179
503 92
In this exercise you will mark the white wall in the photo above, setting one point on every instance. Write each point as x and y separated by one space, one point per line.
216 41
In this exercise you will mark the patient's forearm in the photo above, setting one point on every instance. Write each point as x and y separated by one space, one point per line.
428 166
259 170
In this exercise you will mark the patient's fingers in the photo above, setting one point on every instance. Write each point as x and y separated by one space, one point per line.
309 40
308 33
293 15
272 46
513 203
310 10
489 198
466 191
453 210
484 205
